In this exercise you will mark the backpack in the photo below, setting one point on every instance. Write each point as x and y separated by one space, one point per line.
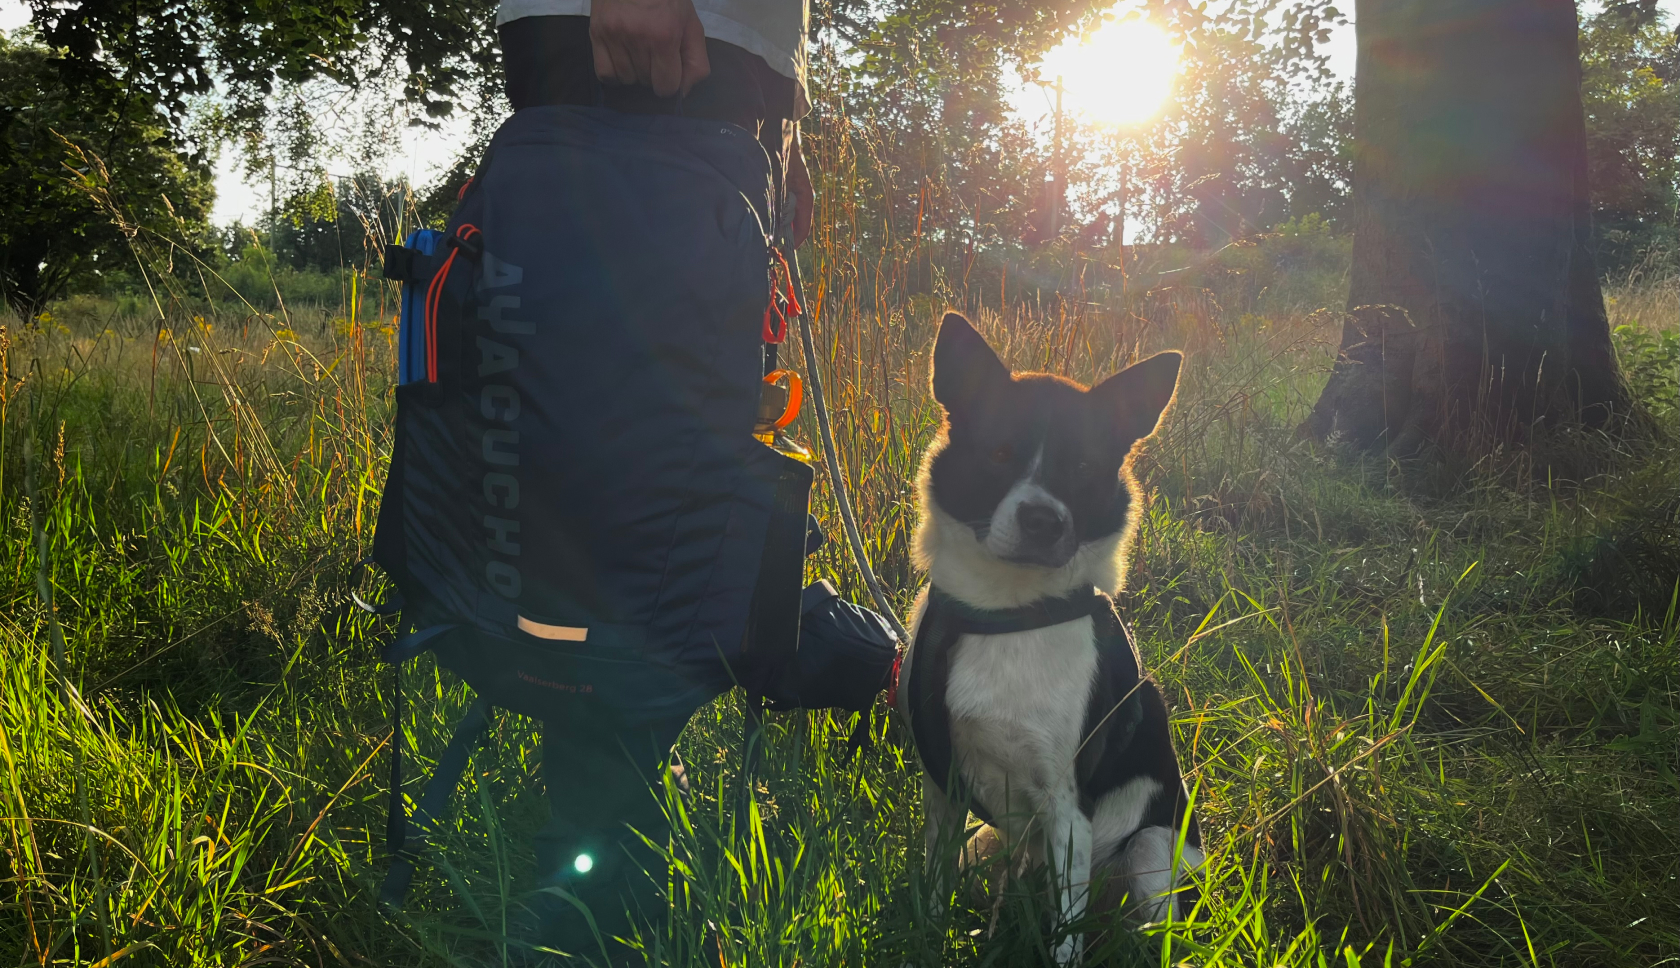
576 509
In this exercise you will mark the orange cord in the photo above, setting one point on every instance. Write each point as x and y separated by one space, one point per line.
434 297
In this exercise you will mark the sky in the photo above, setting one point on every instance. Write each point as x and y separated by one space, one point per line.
422 154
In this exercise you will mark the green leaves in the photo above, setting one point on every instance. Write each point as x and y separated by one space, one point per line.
1630 90
76 174
171 51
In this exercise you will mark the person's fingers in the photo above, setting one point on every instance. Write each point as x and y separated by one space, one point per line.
625 56
665 69
656 43
601 44
605 67
695 63
639 51
612 35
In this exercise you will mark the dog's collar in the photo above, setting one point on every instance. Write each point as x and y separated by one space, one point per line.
999 621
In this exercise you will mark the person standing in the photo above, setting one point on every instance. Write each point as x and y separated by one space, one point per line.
741 62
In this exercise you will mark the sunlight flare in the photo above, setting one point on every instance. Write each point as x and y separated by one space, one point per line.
1121 73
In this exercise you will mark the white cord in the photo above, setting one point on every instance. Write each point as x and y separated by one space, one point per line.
831 459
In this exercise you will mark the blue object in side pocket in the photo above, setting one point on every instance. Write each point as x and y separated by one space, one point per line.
411 328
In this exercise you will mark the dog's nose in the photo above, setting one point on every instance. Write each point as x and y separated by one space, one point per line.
1040 523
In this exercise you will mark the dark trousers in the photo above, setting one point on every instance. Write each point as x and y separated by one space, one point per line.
605 785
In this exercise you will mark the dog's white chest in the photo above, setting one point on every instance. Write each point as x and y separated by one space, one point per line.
1017 704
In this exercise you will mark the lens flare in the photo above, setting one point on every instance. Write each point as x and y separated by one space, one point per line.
1119 74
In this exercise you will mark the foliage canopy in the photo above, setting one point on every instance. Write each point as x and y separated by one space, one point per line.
65 161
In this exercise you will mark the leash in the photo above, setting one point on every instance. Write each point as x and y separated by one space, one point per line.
831 460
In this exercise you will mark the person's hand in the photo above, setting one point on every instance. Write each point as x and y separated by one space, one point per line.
657 43
804 196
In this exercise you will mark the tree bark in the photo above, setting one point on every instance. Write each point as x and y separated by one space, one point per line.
1474 308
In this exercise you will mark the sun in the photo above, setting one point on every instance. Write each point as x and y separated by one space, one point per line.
1119 74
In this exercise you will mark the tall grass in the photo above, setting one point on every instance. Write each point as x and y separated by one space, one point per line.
1425 722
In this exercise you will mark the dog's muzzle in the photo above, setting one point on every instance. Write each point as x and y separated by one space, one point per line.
1043 535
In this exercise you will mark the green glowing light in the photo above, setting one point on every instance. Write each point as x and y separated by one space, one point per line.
584 863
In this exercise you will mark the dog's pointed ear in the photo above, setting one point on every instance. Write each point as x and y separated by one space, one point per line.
964 367
1136 397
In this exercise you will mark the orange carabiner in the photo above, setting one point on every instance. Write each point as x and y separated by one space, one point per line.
796 395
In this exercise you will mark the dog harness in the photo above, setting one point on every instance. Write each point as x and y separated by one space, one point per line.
1112 712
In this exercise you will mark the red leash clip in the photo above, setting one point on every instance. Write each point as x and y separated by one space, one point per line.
892 685
781 309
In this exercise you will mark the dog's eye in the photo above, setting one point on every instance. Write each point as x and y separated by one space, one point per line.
1003 455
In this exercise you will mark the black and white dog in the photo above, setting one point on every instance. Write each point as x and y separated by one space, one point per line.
1024 692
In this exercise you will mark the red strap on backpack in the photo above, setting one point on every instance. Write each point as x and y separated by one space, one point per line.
434 296
780 309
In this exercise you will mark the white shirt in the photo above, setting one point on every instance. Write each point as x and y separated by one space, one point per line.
773 29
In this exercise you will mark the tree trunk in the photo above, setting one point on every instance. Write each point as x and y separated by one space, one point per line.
1474 308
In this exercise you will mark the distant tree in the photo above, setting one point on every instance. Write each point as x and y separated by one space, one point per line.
54 147
922 85
1474 307
345 224
1248 143
1253 135
1630 86
1320 172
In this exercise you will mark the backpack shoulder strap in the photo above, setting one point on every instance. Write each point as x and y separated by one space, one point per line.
433 802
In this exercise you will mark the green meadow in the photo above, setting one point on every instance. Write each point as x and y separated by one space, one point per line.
1430 713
